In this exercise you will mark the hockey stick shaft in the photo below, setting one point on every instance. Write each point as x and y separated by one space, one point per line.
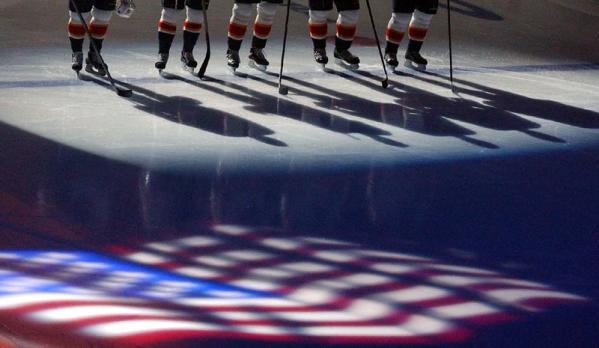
119 91
450 43
385 82
204 66
284 46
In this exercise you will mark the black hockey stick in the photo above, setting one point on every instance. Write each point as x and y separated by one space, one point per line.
282 89
385 82
450 45
121 91
204 66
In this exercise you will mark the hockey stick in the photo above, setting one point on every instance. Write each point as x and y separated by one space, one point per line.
282 89
204 66
450 45
385 82
121 91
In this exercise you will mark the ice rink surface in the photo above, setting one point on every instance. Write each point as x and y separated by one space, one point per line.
340 214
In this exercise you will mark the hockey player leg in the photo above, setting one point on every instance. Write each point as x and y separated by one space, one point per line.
191 31
394 35
98 28
318 32
76 33
167 28
238 23
262 27
417 31
346 31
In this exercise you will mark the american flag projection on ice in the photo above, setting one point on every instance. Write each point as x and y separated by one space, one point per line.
237 282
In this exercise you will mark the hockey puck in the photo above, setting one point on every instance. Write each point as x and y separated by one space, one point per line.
123 92
283 90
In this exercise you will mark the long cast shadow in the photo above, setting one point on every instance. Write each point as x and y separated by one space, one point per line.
265 103
459 109
190 112
510 102
394 114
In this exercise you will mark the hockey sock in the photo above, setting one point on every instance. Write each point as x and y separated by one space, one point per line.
164 42
391 47
76 44
240 17
167 29
318 27
414 46
97 42
189 40
396 30
192 28
263 23
98 26
419 25
76 30
342 45
346 29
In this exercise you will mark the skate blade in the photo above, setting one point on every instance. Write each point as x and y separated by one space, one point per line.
90 69
188 69
418 67
391 67
347 66
257 66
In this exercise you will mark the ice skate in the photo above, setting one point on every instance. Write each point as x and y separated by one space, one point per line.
188 61
320 56
391 60
233 60
93 64
346 59
161 62
77 61
257 60
415 61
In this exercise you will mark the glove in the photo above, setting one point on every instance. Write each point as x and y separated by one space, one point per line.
125 8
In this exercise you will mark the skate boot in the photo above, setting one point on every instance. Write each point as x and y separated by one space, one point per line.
391 60
233 60
415 61
161 62
77 61
93 64
189 63
347 60
320 55
257 59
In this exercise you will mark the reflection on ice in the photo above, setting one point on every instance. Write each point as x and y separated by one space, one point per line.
246 283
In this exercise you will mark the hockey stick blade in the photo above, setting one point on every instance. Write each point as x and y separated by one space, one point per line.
385 83
283 90
204 66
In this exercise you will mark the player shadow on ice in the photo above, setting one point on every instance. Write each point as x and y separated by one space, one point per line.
458 109
266 103
393 114
467 9
190 112
514 103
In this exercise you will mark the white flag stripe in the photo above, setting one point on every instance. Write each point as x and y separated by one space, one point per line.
75 313
392 255
237 302
413 294
517 296
460 269
197 241
16 301
146 326
147 258
464 310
